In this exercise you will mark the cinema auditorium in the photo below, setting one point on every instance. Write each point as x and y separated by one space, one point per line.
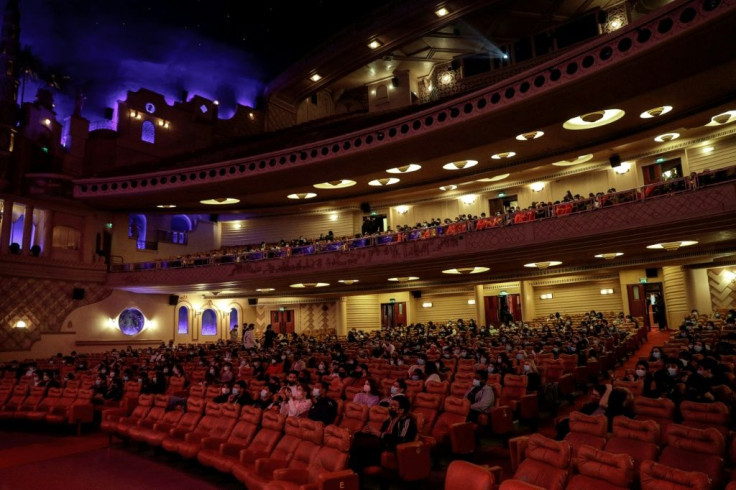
469 244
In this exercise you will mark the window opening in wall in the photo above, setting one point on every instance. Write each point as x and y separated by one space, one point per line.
209 322
183 324
137 224
502 204
148 132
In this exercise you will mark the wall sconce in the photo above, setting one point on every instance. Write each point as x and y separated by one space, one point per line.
545 296
729 275
471 301
427 304
21 324
606 291
402 209
468 199
537 186
623 168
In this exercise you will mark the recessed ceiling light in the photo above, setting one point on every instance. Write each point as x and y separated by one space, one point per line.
672 246
265 290
466 270
460 164
166 206
577 161
309 285
450 187
504 155
494 179
531 135
403 279
335 184
412 167
593 119
664 138
302 195
219 201
543 265
316 77
375 44
441 12
722 118
348 282
656 112
383 182
609 255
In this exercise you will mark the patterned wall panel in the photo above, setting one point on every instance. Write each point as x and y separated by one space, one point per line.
722 285
42 304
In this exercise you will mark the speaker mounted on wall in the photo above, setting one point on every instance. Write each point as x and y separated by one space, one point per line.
252 301
173 299
416 294
365 207
615 161
78 293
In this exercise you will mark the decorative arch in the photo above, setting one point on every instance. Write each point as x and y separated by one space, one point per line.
148 132
209 322
182 320
137 224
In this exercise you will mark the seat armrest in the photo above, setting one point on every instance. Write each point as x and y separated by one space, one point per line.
178 433
231 449
251 456
82 413
162 427
266 466
194 437
299 476
344 480
211 443
517 451
114 414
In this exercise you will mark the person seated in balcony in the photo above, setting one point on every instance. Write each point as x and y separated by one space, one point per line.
480 395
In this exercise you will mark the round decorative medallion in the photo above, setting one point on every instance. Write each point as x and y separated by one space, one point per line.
131 321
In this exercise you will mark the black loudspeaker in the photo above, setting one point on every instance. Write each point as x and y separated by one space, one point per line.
365 207
214 218
615 161
651 272
313 99
78 293
173 299
252 301
416 294
109 113
455 65
395 81
602 17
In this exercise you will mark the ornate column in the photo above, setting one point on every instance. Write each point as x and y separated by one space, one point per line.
342 316
480 305
27 229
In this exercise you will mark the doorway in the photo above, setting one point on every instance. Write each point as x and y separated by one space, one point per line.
502 308
282 321
502 204
638 303
656 308
393 314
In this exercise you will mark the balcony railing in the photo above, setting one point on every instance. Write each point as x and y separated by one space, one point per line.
517 218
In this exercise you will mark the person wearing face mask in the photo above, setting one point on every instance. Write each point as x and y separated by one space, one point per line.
655 355
266 399
324 408
296 403
669 381
225 393
699 385
419 364
641 373
480 395
398 388
275 366
239 394
369 396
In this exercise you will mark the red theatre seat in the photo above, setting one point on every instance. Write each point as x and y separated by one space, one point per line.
692 449
637 438
546 463
282 451
587 430
462 475
656 476
602 470
240 437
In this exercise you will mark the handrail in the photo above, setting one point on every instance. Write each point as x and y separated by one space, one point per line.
549 211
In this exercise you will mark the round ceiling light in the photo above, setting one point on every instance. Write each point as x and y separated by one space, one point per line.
412 167
403 279
383 182
460 164
494 179
166 206
335 184
656 112
220 201
302 195
466 270
593 119
309 285
504 155
450 187
722 118
609 255
265 290
531 135
664 138
543 265
672 246
577 161
348 282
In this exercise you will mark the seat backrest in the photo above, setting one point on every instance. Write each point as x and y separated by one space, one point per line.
460 387
616 469
131 389
354 416
145 402
594 425
197 391
311 435
246 427
272 426
715 413
377 415
639 430
462 475
457 406
176 383
656 476
704 441
437 387
34 397
514 387
52 398
160 402
212 392
286 446
569 361
414 387
658 408
545 450
635 387
333 455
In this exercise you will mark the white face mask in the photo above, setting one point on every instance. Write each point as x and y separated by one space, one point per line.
264 393
672 371
236 391
641 372
315 392
527 368
476 382
367 388
420 362
394 390
656 354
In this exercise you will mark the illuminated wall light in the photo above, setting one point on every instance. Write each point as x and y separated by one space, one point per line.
132 113
375 44
334 217
469 199
545 296
537 186
402 209
446 78
708 150
237 226
427 304
251 116
623 168
316 77
160 123
471 301
47 122
606 291
137 116
729 275
441 12
166 125
21 324
373 92
383 182
216 102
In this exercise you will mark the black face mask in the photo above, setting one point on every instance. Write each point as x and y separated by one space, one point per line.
392 413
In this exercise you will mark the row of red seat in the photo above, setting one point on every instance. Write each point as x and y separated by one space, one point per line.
71 406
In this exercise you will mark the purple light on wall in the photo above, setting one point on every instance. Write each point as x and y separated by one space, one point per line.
233 318
183 320
209 322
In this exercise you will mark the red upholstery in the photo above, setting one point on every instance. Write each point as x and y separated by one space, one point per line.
217 426
602 470
157 411
272 426
656 476
702 415
458 388
441 388
169 419
587 430
635 387
178 434
283 451
53 396
376 417
456 411
637 438
354 417
428 405
196 391
691 449
514 388
513 484
546 463
661 410
185 424
330 458
30 403
462 475
68 396
111 417
240 437
80 411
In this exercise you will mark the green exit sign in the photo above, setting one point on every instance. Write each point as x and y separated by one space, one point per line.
392 300
643 280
